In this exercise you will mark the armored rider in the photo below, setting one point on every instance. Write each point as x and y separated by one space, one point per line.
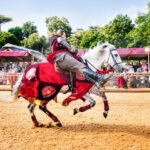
64 56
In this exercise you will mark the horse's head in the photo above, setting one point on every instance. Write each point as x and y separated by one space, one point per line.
109 54
101 53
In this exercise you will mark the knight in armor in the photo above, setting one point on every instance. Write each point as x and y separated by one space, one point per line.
64 57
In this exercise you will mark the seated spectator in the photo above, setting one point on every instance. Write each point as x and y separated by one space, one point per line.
144 67
135 66
139 70
131 80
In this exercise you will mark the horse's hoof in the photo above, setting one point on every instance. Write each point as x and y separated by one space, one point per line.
65 103
49 125
58 124
105 115
38 125
75 111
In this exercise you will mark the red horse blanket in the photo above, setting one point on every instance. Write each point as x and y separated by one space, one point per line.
39 77
41 81
48 74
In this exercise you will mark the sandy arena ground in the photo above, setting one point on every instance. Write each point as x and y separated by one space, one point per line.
126 128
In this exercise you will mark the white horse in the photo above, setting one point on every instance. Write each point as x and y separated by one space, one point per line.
93 58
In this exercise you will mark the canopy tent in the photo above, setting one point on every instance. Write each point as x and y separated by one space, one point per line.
15 53
133 53
129 53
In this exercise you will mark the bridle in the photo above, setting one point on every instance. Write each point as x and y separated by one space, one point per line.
113 57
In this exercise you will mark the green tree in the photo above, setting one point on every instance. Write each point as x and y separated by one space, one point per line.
86 39
7 37
90 37
17 32
75 38
36 42
29 28
3 20
140 36
116 32
54 23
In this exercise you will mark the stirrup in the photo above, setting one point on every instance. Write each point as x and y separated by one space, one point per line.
71 88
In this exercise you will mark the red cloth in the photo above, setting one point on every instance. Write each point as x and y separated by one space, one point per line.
29 89
56 46
48 74
81 89
104 72
120 82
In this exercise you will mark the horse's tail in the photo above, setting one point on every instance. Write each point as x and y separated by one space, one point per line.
16 87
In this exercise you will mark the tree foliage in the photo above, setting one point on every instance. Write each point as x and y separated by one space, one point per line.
90 37
7 37
75 39
140 36
86 39
29 28
17 32
3 20
54 23
116 31
34 41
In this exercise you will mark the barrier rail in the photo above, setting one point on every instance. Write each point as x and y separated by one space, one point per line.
131 74
5 88
131 90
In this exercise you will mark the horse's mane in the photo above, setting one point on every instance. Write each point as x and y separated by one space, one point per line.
92 53
98 54
95 52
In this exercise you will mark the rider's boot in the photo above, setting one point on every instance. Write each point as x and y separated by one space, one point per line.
72 85
95 78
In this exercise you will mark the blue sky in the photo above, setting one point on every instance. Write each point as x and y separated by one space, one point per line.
80 13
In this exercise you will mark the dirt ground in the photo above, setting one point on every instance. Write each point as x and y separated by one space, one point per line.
126 128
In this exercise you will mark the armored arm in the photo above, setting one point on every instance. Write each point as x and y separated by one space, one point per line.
63 41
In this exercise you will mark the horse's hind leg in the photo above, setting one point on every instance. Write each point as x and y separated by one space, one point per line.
52 116
31 108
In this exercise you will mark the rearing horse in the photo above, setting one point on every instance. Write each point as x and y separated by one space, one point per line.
41 83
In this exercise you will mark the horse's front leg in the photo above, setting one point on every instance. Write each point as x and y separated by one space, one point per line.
84 108
106 105
52 116
96 91
31 108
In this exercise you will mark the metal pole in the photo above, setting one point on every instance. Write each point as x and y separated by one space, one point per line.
148 62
